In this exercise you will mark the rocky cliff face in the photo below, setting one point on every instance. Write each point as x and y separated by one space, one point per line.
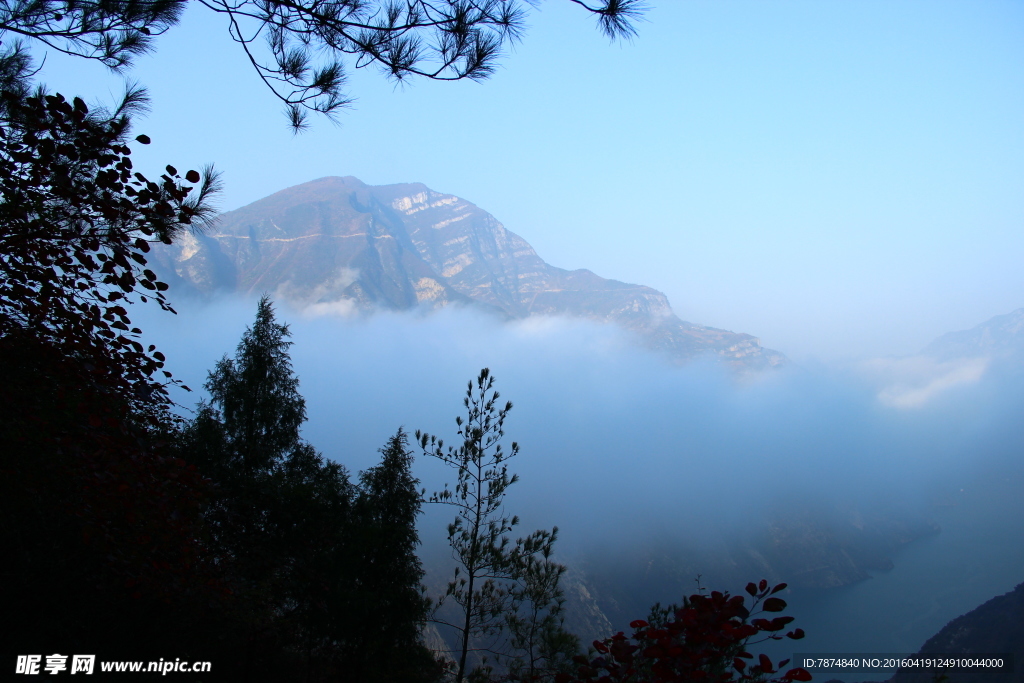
339 244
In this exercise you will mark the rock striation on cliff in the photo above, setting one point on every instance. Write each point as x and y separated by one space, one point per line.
337 244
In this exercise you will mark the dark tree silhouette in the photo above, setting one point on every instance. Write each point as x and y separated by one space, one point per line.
255 395
76 222
275 494
98 515
488 565
540 645
391 605
325 572
306 43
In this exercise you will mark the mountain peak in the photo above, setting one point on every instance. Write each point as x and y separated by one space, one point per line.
341 243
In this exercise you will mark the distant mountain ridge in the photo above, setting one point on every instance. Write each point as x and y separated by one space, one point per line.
1001 336
339 244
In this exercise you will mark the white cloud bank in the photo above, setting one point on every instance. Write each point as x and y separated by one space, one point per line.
915 381
615 430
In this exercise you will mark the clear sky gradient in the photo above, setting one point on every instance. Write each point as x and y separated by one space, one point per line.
841 179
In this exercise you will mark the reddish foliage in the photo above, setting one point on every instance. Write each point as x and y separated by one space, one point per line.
706 639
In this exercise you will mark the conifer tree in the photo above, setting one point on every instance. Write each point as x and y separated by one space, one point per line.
326 570
308 42
389 573
488 564
242 439
282 520
540 644
256 395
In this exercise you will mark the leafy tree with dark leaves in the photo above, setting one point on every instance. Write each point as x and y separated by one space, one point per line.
307 42
76 222
99 517
708 638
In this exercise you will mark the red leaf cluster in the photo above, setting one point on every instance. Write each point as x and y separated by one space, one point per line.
706 639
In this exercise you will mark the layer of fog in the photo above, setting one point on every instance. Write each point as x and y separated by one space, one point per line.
619 447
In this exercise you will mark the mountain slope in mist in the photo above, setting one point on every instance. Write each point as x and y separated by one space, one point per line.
998 337
950 362
994 628
339 245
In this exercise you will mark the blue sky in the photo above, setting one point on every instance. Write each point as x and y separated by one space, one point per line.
841 179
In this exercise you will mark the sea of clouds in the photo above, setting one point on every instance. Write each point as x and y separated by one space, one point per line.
619 444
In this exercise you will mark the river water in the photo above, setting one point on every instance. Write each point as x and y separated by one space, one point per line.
978 555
